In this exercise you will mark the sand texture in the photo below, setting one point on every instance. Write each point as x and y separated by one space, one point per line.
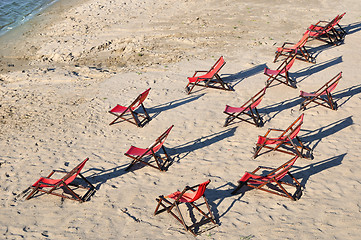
63 71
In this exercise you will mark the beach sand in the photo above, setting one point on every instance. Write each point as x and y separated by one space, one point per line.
64 70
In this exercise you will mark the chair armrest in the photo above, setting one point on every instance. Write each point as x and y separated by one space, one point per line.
286 43
62 171
270 168
198 72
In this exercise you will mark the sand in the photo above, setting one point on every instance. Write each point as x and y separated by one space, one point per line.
63 71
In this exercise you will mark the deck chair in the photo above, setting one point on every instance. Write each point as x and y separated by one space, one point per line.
285 139
247 109
302 53
129 113
189 195
137 154
49 185
326 31
210 79
272 182
323 95
281 73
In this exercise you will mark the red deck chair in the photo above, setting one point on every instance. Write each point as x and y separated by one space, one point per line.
274 178
323 95
137 154
249 109
325 31
210 79
281 73
284 140
189 195
124 112
49 185
299 46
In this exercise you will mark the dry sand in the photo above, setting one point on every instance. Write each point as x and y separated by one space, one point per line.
62 72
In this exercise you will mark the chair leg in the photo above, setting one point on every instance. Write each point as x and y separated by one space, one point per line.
35 189
240 185
189 90
257 150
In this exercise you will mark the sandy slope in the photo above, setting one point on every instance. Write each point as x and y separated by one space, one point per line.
60 77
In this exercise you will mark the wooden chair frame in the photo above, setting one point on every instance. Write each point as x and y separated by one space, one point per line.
327 32
325 90
274 178
64 182
249 109
281 73
284 139
123 112
168 205
302 53
137 154
210 79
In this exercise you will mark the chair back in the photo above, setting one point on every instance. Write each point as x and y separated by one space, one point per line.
140 99
338 19
215 68
284 169
256 99
69 177
303 40
293 130
200 191
160 140
289 64
332 84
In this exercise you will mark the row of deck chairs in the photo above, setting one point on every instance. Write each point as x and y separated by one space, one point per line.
285 138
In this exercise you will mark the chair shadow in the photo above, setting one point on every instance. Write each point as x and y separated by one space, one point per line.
348 92
352 28
240 76
277 108
156 110
217 195
306 172
100 176
318 134
304 73
181 151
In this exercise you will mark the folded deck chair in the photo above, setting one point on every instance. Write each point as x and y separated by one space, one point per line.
129 113
272 182
284 140
137 154
323 95
302 53
326 31
247 109
188 196
210 79
281 73
49 185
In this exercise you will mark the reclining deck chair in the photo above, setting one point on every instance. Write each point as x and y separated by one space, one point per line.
284 140
323 95
210 79
274 179
137 154
188 195
123 112
49 185
328 33
249 109
302 53
281 73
